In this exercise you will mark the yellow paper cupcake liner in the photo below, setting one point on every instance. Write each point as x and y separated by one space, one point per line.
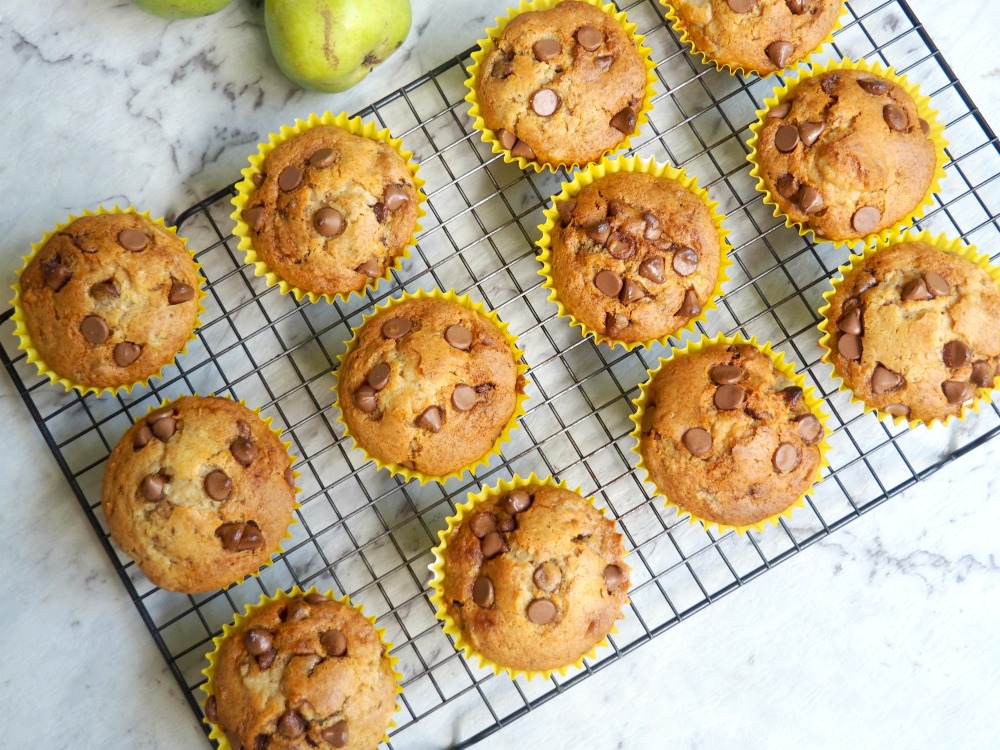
813 403
923 103
246 187
941 242
595 172
522 396
723 67
227 630
487 44
21 329
437 579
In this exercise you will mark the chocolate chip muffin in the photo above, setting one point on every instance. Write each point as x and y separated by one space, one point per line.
429 385
199 493
301 671
727 437
563 85
533 577
109 299
634 257
846 154
759 36
913 332
331 211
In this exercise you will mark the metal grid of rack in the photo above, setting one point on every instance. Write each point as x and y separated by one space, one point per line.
365 534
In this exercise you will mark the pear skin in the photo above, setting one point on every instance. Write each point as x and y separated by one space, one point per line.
174 9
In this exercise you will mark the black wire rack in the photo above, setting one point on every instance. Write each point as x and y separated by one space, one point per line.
366 534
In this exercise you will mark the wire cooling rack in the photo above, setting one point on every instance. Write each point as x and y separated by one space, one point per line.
366 534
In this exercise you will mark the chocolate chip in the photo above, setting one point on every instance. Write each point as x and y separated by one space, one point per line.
728 397
632 292
264 661
787 185
482 592
106 289
492 545
57 276
779 53
396 328
153 487
321 158
218 486
589 38
915 290
614 577
507 525
604 62
797 7
253 217
691 305
546 49
458 336
850 346
142 438
615 322
315 598
653 230
133 240
371 268
541 611
652 269
829 82
956 354
725 374
810 200
430 419
982 374
94 329
212 710
230 534
291 725
257 178
786 458
697 441
378 378
810 429
162 413
779 111
624 121
621 246
884 380
545 102
786 138
600 232
873 86
608 283
741 6
329 222
522 150
517 501
126 353
482 524
244 451
336 734
792 395
565 209
506 138
259 641
180 292
809 132
395 197
165 428
897 410
381 212
866 219
364 399
957 391
685 261
252 538
895 117
924 126
290 477
851 322
463 397
936 284
334 641
290 178
547 577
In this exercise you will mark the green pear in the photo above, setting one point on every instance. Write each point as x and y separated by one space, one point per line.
330 45
181 8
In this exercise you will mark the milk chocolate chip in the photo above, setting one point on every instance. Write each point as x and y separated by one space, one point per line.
957 391
336 734
212 710
56 276
547 577
614 577
329 222
725 374
792 395
164 428
779 111
850 347
924 126
697 441
126 353
541 611
507 139
895 117
334 641
545 102
787 185
396 328
600 232
873 86
463 397
218 485
589 38
915 290
378 378
522 150
741 6
809 132
253 217
565 209
624 121
142 437
632 292
936 284
797 7
133 240
153 487
653 230
956 354
482 524
244 450
685 261
786 458
728 397
322 158
492 545
395 197
786 138
897 410
982 374
291 725
106 289
810 429
94 329
851 322
691 305
430 419
364 399
884 380
779 52
371 268
621 246
290 178
546 49
608 282
258 641
458 336
652 269
482 592
517 501
810 200
180 292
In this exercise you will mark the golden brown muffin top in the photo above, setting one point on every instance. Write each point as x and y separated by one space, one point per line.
199 492
727 437
535 577
914 331
303 672
634 256
110 299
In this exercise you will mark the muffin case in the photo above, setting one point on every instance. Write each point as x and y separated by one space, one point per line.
368 535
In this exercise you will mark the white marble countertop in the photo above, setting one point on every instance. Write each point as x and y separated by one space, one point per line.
882 635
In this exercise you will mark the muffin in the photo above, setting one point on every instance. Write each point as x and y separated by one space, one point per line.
530 577
634 257
563 85
199 493
301 671
328 211
846 154
107 300
429 385
728 437
912 330
755 36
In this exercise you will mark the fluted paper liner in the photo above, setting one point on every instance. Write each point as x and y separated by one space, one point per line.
590 175
246 187
487 44
21 329
227 630
724 67
521 395
437 580
812 401
941 242
923 103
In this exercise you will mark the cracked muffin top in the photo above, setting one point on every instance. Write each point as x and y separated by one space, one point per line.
332 210
846 154
199 493
634 256
727 437
303 672
110 299
429 385
562 86
913 331
763 36
534 577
